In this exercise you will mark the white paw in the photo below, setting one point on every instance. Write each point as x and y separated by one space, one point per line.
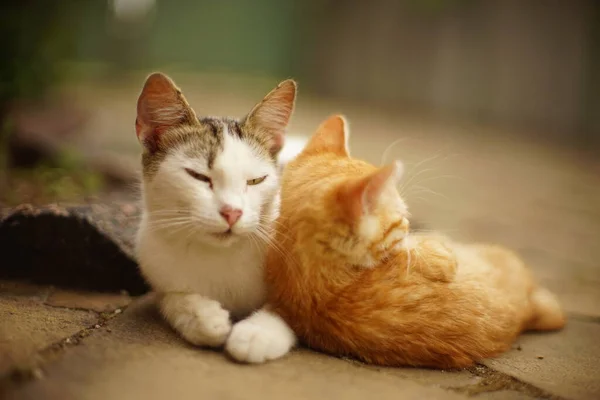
205 324
253 343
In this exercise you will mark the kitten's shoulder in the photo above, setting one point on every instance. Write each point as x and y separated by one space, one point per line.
432 256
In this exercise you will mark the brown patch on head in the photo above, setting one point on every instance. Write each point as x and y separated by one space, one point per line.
199 141
259 142
165 121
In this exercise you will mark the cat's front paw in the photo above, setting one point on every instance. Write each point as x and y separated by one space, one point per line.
203 322
254 343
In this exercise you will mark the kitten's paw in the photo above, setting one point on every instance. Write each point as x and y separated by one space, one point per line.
253 343
205 323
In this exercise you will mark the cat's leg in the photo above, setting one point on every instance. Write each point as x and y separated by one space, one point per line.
261 337
200 320
547 313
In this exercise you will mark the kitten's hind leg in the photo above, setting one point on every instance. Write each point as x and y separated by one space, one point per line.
200 320
547 313
261 337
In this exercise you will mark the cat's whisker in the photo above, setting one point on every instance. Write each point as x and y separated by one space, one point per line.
270 242
192 230
168 222
254 242
413 176
410 179
422 199
276 232
428 190
406 190
408 256
389 148
171 229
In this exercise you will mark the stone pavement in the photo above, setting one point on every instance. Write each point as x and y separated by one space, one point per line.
471 182
69 351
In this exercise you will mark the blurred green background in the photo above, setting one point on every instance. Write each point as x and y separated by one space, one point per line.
531 67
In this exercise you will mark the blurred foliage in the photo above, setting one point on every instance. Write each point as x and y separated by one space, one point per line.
35 36
436 5
229 36
60 180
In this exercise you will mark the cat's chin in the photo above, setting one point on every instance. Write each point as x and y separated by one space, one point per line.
221 239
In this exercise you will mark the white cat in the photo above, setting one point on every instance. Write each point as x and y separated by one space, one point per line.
210 195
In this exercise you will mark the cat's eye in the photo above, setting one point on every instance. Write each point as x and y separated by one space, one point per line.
256 181
199 176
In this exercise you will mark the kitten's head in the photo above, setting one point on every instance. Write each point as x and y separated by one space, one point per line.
345 208
212 179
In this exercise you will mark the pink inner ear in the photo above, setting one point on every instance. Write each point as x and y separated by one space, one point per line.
159 107
138 128
278 141
351 198
362 196
376 183
273 113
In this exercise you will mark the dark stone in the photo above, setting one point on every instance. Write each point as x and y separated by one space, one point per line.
88 247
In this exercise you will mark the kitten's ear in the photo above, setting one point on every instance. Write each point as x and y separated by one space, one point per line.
361 196
160 106
272 115
331 136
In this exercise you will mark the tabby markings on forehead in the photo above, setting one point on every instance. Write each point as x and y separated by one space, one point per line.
207 141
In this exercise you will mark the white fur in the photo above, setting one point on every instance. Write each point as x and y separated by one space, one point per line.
261 337
293 146
205 278
200 320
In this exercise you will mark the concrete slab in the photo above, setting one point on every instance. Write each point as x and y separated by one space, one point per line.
142 358
28 326
505 394
566 363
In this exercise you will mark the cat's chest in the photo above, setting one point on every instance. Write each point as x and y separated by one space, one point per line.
233 276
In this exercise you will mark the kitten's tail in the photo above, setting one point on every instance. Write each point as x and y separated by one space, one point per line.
547 312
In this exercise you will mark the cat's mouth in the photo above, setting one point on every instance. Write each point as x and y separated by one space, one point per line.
224 235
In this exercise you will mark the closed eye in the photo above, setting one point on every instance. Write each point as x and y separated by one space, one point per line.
256 181
198 176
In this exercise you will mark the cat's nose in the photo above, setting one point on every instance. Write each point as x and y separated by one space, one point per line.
230 214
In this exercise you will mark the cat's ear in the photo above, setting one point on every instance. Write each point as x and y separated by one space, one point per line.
361 196
160 106
272 115
331 137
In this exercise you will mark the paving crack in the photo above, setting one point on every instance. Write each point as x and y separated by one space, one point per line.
494 381
490 381
34 369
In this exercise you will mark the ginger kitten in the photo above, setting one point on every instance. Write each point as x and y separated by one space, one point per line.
210 194
350 280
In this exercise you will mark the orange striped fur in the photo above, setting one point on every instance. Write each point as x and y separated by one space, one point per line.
351 281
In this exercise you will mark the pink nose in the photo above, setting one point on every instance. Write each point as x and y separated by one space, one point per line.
231 215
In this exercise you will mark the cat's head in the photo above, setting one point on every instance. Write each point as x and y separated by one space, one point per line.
212 179
347 209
